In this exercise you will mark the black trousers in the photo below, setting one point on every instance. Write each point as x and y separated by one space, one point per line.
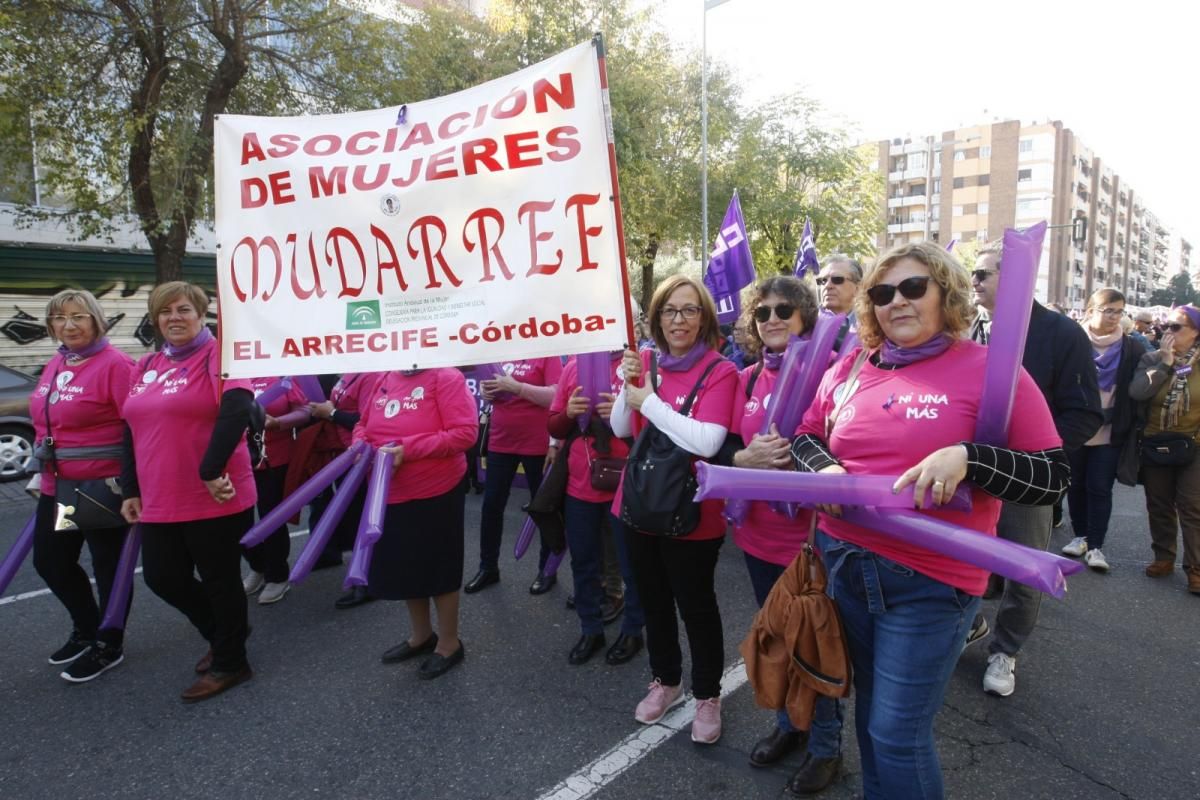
56 559
172 552
270 557
672 573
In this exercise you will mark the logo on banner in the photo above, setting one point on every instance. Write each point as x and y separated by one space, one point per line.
391 409
389 204
363 315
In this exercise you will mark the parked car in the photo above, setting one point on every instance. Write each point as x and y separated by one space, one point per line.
16 427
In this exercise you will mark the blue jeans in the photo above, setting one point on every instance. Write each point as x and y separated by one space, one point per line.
497 483
1090 498
905 632
584 522
825 734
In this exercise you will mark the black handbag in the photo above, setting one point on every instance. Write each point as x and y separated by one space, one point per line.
1169 449
660 487
91 504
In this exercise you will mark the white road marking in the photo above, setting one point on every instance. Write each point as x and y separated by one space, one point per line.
43 592
594 776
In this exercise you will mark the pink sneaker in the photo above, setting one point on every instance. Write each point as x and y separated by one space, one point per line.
706 727
658 702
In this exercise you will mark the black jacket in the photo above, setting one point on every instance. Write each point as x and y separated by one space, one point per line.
1125 412
1058 356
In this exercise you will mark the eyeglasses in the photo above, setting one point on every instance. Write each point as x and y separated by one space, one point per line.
836 280
670 314
77 319
1175 327
912 288
1111 312
982 275
783 311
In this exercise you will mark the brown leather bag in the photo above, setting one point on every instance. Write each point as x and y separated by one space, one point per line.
796 648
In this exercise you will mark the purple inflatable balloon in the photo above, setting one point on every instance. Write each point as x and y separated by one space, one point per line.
489 372
122 586
273 392
370 529
311 388
593 376
809 489
780 411
1010 326
812 370
1043 571
17 554
553 562
299 498
528 530
320 535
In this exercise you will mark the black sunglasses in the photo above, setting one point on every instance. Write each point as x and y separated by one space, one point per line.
783 311
982 275
1175 327
912 288
836 280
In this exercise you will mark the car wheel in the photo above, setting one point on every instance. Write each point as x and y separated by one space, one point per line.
16 451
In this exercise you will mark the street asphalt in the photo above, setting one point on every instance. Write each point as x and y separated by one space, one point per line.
1100 709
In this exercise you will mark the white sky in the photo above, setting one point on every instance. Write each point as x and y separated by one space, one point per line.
1125 77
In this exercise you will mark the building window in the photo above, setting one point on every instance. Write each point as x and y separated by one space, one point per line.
983 208
1025 146
959 183
960 155
957 211
1024 175
916 161
937 185
985 151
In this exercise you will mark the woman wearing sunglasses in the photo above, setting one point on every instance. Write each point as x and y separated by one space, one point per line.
784 308
1164 383
679 571
1094 466
906 404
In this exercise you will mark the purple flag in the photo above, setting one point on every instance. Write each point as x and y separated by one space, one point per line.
950 247
730 267
806 255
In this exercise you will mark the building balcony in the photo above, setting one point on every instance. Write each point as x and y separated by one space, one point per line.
906 227
909 200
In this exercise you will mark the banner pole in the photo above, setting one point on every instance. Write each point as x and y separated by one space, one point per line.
598 46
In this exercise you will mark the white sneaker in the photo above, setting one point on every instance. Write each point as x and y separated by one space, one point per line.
273 593
253 582
1095 559
1076 547
1000 678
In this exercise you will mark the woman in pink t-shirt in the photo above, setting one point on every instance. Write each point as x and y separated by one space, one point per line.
188 482
427 419
76 411
784 308
680 571
520 399
268 560
907 404
586 511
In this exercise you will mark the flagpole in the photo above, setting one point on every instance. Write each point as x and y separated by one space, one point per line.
704 244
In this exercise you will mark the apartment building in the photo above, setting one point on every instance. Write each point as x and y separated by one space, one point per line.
971 183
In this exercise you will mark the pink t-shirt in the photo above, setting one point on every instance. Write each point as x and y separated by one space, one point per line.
432 415
347 396
171 409
583 451
280 443
765 533
519 426
84 402
714 403
897 417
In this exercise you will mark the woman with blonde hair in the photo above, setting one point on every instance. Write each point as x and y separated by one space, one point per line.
907 403
76 412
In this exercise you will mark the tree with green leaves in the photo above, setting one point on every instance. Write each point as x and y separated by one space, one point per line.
120 96
1179 292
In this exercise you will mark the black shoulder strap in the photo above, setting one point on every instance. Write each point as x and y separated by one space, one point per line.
758 368
691 398
654 371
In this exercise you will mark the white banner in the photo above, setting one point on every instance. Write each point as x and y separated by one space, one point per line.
472 228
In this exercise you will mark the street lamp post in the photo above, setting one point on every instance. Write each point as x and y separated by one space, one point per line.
704 243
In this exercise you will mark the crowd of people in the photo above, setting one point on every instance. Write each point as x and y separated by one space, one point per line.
191 457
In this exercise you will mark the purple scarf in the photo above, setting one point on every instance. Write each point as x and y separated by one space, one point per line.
898 356
180 352
773 361
75 356
1106 365
683 363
